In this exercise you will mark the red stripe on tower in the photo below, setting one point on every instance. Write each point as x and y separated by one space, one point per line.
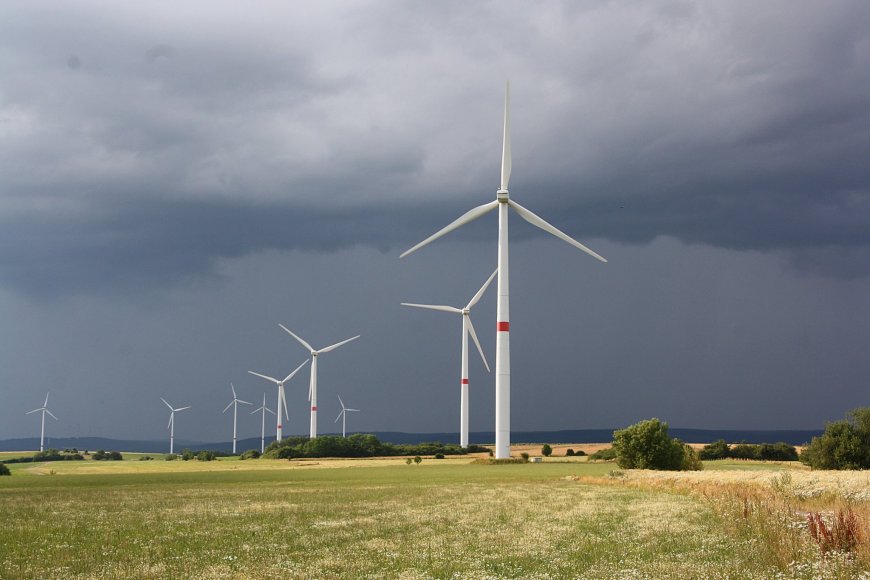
313 408
504 326
464 381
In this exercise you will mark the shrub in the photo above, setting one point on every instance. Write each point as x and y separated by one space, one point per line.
845 444
439 456
569 453
146 458
691 459
250 454
546 450
205 456
4 470
418 460
580 453
647 445
408 461
608 454
716 450
525 456
170 457
101 455
187 455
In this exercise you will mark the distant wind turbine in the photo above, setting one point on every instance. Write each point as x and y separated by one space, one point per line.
343 416
282 401
44 409
235 404
467 328
171 426
502 354
263 409
312 389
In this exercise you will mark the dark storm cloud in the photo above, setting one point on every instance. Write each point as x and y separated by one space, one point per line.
321 127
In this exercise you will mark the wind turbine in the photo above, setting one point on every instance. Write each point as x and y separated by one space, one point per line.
171 426
312 388
467 328
235 404
282 401
343 416
44 409
264 408
502 341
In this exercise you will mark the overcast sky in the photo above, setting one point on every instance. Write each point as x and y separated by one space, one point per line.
178 178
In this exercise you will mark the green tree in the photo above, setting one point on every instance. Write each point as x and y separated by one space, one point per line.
4 470
647 445
418 460
546 450
845 444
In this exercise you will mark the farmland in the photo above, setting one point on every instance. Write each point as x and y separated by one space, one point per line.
377 518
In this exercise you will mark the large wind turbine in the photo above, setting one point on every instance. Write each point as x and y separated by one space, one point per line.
312 389
343 416
282 401
44 409
502 344
263 409
235 404
171 426
467 328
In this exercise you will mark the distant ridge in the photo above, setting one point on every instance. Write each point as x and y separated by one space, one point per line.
792 436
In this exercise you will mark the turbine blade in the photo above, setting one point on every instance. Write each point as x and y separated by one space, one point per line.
434 307
477 343
45 404
338 344
351 409
539 222
305 344
234 391
243 402
270 410
33 411
506 143
171 415
52 414
228 406
268 378
290 376
167 404
257 410
483 288
339 416
183 408
340 402
284 403
468 216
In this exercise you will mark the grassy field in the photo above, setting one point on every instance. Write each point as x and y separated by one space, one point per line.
376 518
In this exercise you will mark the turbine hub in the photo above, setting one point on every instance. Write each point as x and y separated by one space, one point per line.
466 311
313 353
502 195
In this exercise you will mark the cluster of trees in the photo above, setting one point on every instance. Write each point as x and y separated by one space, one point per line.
187 455
49 455
762 451
647 445
845 444
357 445
101 455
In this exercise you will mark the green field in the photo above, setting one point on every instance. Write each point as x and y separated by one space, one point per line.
350 519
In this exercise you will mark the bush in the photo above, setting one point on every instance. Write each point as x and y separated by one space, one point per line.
569 453
250 454
845 444
546 450
4 470
580 453
691 459
716 450
408 461
418 460
525 456
608 454
187 455
146 458
439 456
647 445
170 457
205 456
101 455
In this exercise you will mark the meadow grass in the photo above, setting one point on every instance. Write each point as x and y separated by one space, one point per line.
381 518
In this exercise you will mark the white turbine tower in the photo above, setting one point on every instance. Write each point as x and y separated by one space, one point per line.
44 409
467 328
171 426
282 401
312 389
502 344
263 409
343 416
235 404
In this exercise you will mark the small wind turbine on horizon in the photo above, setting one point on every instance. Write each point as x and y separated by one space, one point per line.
502 354
282 401
263 409
312 388
235 404
171 426
467 328
44 409
343 416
